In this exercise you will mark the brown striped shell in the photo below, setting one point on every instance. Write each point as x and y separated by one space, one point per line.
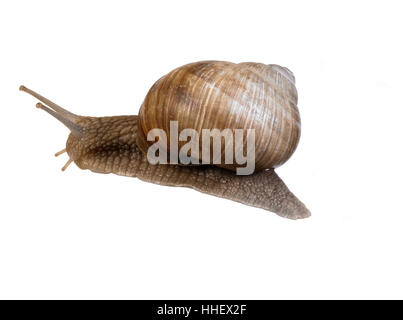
218 94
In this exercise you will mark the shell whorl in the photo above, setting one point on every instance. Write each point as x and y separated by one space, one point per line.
217 94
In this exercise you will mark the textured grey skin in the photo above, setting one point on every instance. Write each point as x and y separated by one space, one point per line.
108 145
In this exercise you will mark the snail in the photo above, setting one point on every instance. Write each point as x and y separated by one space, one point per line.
204 95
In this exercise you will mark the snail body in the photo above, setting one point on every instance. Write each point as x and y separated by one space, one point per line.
202 95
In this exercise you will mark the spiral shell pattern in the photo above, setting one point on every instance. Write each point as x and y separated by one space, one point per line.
222 95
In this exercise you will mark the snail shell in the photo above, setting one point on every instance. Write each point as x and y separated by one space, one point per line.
221 95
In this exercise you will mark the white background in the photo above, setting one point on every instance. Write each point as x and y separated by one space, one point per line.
77 234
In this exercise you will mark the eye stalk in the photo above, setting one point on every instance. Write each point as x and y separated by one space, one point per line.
69 119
